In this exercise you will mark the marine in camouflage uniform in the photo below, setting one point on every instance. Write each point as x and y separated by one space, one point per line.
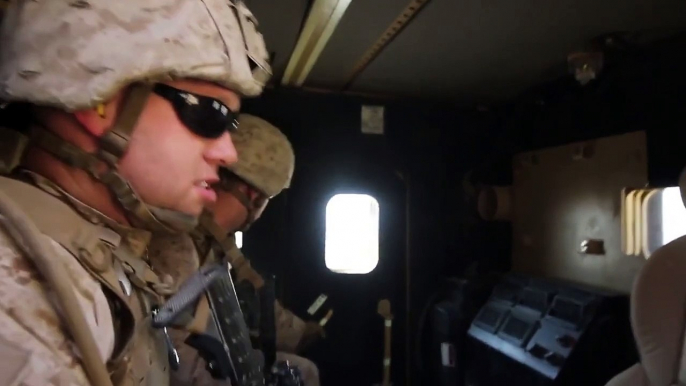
119 90
265 167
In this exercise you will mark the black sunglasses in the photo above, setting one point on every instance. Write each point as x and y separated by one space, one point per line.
205 116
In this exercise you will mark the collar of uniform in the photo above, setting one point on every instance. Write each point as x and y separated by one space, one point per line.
227 247
207 226
229 243
136 239
202 244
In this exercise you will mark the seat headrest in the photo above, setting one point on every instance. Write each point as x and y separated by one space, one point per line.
682 185
658 312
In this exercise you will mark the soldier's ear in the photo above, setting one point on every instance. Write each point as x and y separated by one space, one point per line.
91 121
98 119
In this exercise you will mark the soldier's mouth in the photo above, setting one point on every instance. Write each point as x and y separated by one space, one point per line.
205 191
207 183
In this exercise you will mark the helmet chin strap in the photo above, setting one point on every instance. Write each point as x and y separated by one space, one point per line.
249 207
232 185
113 146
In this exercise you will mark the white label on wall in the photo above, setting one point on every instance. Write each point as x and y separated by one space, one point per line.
448 354
372 119
317 304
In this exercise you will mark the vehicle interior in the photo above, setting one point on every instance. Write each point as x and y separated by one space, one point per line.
486 180
485 192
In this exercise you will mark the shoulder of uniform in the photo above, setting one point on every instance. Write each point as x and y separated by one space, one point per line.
30 320
57 219
88 243
36 202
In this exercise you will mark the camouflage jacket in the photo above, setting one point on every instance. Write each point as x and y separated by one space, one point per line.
289 327
178 256
34 343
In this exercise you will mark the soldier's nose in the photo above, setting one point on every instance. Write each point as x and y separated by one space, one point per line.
222 151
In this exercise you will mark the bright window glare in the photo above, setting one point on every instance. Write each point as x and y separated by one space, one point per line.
239 240
352 233
673 215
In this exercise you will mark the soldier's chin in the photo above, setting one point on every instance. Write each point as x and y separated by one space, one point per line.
175 220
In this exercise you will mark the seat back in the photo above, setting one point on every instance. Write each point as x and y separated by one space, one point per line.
658 316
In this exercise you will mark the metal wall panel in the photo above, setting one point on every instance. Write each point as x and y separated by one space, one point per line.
568 194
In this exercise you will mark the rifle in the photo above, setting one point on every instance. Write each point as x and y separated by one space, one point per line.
267 321
249 301
236 361
225 345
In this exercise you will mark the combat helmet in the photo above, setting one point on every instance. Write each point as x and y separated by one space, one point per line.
265 162
265 156
78 55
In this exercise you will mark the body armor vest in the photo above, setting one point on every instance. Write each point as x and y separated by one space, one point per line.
139 356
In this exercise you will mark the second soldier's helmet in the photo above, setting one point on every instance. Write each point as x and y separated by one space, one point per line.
265 156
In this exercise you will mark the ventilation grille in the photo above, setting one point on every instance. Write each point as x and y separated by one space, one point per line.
535 299
567 310
507 292
489 318
516 328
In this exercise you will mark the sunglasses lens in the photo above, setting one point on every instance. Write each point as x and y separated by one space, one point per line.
204 116
206 122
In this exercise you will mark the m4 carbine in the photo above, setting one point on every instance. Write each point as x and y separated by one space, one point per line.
225 345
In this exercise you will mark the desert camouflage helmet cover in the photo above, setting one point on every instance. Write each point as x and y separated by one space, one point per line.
77 54
265 156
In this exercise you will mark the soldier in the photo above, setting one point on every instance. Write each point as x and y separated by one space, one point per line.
264 168
131 103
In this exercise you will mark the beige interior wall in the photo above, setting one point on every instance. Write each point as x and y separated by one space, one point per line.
568 194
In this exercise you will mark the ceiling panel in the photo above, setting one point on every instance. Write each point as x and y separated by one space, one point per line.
280 22
472 50
486 49
363 22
